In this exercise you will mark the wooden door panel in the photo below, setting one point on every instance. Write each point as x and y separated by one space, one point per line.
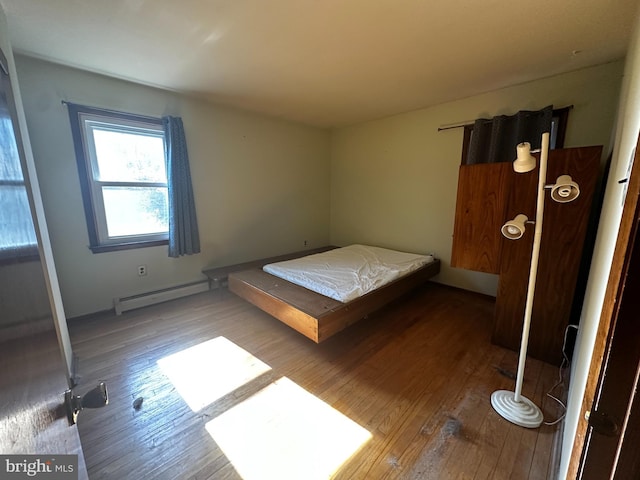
480 212
618 380
564 229
628 465
616 295
613 454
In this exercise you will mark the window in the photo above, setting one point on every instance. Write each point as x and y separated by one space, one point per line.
559 122
17 233
122 167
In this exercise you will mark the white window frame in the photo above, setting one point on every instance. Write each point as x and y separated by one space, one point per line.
83 121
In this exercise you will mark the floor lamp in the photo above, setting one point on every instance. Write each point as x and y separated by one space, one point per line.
512 405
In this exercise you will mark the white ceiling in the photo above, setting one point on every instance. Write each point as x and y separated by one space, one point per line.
324 62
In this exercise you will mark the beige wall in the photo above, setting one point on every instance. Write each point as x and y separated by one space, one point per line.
394 180
261 185
23 293
264 186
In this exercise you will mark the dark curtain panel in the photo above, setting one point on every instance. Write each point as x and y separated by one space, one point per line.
495 140
184 238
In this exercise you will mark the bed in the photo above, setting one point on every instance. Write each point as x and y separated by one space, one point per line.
319 316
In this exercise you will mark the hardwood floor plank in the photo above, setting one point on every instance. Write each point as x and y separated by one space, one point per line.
417 375
541 466
473 443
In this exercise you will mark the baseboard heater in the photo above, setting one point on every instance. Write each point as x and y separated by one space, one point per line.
158 296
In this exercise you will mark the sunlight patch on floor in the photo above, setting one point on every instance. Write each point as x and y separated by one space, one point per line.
284 432
206 372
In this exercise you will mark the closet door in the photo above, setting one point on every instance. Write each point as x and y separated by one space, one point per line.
563 234
34 375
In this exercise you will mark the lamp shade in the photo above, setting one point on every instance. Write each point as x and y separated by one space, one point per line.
565 189
514 229
525 162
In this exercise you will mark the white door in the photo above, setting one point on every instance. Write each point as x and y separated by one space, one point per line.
33 373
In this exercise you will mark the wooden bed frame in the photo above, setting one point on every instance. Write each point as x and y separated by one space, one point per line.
314 315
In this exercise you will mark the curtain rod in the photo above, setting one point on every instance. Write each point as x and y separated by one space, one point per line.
469 122
454 125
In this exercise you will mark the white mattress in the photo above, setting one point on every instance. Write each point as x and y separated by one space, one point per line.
347 273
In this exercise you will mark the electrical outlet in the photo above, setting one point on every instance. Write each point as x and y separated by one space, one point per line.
142 270
306 243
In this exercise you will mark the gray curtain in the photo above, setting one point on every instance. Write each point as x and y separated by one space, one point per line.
184 238
495 140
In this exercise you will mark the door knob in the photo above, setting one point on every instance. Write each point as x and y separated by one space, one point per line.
94 398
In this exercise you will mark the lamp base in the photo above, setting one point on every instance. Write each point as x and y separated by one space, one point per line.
524 413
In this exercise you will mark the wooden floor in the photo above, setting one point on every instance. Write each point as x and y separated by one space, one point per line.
417 376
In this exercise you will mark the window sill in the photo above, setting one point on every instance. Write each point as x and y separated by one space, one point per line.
10 256
114 247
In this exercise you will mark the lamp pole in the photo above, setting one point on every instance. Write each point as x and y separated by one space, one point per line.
512 405
533 268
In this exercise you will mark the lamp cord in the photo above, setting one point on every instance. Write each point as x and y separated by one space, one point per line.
563 365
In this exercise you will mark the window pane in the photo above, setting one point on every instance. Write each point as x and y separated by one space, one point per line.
10 168
129 157
16 225
135 210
